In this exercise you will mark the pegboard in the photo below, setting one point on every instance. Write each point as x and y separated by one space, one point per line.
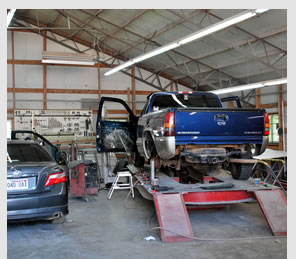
55 122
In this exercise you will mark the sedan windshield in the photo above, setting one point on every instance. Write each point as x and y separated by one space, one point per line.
27 153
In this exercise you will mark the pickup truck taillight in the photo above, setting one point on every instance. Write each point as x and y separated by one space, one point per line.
55 178
169 124
266 124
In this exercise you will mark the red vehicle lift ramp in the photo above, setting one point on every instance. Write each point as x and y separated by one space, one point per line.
173 216
273 204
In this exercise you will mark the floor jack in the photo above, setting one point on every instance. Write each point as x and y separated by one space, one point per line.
83 179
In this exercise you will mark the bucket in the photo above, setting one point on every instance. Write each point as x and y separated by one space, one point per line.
257 181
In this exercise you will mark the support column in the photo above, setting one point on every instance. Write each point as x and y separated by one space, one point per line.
172 87
258 103
44 74
99 81
134 91
129 97
280 107
13 71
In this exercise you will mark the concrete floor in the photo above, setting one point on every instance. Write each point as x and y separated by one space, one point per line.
116 228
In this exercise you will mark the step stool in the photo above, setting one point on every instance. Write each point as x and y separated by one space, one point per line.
116 185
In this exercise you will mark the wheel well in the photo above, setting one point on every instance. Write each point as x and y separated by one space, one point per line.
148 145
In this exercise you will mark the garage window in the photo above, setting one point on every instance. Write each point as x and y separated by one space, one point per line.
274 125
9 128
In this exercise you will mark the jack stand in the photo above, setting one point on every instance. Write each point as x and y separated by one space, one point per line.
153 179
152 171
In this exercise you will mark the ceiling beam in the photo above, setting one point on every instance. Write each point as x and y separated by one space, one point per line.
197 60
242 44
148 38
67 14
122 27
89 20
53 20
247 54
88 44
232 45
276 57
194 79
251 34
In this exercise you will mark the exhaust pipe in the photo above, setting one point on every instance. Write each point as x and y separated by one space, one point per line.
57 215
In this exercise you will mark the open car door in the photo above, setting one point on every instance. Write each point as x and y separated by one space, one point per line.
115 134
31 135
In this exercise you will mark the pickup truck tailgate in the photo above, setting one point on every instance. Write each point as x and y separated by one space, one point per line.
223 126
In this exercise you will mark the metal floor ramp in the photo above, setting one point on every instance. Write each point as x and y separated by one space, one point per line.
175 224
173 218
273 204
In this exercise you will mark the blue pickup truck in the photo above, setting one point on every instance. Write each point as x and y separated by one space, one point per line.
187 133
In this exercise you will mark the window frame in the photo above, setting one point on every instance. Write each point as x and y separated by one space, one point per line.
273 129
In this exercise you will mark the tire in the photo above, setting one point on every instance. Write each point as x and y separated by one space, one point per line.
242 171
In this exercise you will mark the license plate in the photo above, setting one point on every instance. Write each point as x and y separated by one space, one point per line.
17 184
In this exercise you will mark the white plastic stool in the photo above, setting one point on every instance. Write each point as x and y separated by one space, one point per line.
116 185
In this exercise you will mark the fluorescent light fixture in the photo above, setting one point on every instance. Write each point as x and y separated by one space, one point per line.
259 11
68 58
140 58
217 26
250 86
10 16
68 62
276 82
119 67
155 52
194 36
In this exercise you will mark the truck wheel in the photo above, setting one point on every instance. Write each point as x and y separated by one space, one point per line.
241 171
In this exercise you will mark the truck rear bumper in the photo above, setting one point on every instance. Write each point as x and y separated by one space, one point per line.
218 140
